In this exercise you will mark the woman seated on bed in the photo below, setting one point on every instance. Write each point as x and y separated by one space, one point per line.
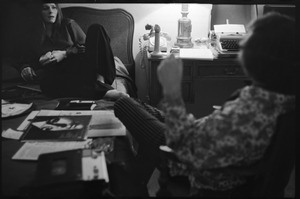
68 63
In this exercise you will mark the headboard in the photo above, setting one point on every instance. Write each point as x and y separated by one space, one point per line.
119 25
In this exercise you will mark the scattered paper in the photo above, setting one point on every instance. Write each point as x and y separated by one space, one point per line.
196 53
230 28
32 150
12 134
105 123
27 121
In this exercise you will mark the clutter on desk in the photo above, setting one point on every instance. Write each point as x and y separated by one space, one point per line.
100 123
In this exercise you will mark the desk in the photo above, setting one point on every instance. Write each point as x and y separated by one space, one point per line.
16 174
205 83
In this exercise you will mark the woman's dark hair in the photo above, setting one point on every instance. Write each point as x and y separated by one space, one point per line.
269 54
39 28
59 17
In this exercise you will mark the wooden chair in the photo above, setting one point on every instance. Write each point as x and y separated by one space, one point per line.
266 178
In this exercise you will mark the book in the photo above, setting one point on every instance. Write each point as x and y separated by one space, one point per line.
57 127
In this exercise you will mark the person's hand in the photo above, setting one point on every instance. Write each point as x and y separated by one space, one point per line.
52 57
28 74
114 95
78 49
46 59
169 74
58 55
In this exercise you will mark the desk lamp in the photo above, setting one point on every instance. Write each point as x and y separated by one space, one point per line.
184 39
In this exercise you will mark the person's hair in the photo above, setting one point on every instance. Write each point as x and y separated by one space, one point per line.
269 54
59 17
57 26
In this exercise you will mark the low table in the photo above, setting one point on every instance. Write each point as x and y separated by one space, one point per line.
17 174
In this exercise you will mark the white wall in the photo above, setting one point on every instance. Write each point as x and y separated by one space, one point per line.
166 16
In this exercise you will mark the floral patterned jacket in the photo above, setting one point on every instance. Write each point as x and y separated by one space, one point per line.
237 134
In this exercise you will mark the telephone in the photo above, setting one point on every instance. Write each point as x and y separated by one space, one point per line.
147 42
149 39
162 43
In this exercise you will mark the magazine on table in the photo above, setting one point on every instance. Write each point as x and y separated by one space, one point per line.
57 127
70 125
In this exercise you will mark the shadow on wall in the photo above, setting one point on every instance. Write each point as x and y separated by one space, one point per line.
18 17
236 14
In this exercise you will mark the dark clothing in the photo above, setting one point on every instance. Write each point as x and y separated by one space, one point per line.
76 75
146 124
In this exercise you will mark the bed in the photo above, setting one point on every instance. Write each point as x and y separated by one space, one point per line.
119 25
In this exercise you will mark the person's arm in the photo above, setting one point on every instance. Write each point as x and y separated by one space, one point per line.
78 37
28 64
77 34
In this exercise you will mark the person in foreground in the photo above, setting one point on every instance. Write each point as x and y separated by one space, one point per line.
235 135
66 61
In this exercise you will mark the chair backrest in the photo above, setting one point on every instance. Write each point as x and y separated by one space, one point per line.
279 160
269 176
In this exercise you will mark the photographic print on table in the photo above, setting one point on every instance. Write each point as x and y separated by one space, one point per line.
58 128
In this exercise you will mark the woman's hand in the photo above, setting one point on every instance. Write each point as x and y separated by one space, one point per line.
53 57
46 58
59 55
28 74
169 74
78 49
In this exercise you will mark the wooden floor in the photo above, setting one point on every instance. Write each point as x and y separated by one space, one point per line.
153 185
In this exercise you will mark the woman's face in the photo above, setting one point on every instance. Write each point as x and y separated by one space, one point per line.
49 12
